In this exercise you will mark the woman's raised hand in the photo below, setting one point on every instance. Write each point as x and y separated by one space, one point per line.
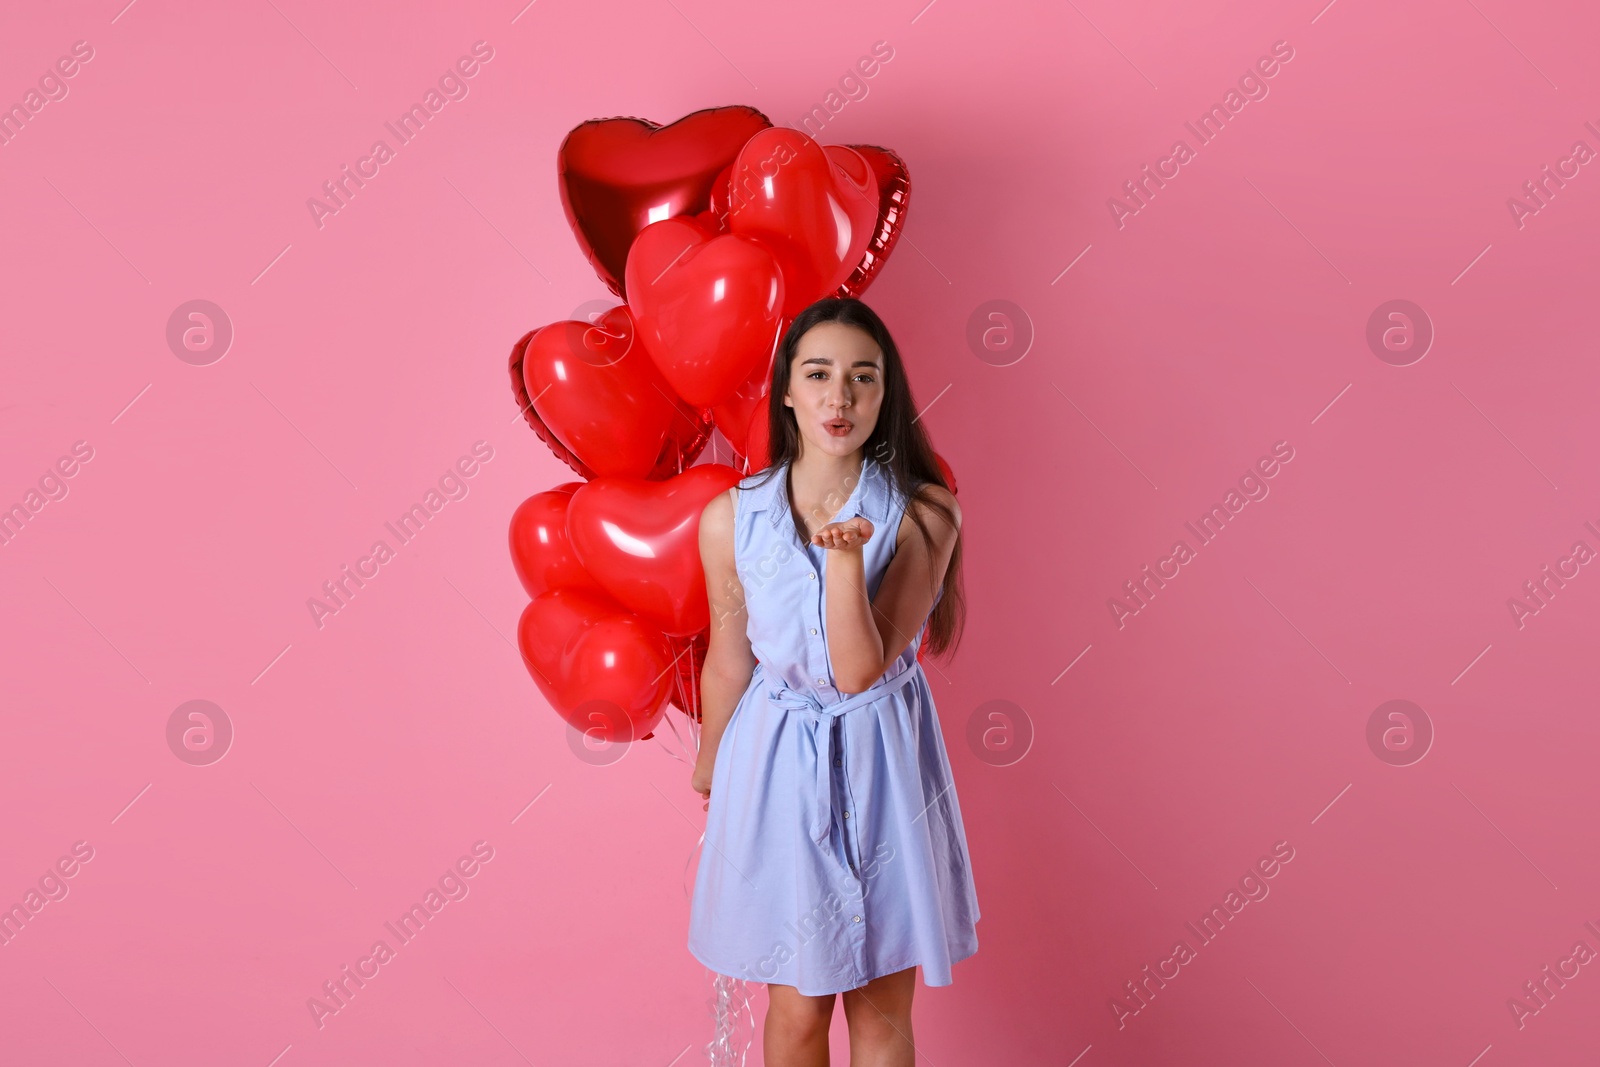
850 534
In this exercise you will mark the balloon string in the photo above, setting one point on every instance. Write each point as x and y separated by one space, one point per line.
673 726
729 997
690 862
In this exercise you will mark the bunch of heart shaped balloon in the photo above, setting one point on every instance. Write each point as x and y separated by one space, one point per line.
715 231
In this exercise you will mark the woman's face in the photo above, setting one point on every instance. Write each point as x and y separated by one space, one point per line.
835 388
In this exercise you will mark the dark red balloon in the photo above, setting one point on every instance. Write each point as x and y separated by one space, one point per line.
708 307
641 542
602 669
619 175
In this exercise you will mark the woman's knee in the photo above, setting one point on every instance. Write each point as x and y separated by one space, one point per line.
883 1003
798 1013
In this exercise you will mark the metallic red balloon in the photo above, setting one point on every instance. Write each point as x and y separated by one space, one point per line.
641 542
540 552
602 669
708 307
893 185
816 213
599 392
619 175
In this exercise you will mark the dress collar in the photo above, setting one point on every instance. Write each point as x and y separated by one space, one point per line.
869 497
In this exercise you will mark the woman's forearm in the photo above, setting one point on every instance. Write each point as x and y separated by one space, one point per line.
719 695
855 648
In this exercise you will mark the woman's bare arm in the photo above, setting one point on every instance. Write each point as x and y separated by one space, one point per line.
730 662
864 636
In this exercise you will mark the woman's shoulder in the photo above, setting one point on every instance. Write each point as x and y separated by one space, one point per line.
927 498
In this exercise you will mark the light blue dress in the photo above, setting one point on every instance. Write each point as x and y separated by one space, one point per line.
834 850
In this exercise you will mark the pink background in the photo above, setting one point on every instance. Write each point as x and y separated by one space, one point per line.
1231 713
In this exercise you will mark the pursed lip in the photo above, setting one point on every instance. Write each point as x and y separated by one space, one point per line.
846 423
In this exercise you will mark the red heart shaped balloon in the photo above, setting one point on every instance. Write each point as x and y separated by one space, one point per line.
757 442
686 437
817 216
603 670
519 389
733 415
540 552
893 185
600 393
708 308
619 175
641 542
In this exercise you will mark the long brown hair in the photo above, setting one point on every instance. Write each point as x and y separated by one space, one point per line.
898 441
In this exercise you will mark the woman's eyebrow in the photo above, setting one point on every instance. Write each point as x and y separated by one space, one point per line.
828 360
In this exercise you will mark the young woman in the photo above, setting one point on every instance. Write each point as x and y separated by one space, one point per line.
835 860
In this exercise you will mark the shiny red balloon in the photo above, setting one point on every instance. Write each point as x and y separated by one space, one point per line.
602 669
815 215
708 307
540 552
599 392
619 175
519 390
641 542
757 442
687 435
734 415
893 185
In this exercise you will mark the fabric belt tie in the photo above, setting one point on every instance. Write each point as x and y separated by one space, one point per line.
816 757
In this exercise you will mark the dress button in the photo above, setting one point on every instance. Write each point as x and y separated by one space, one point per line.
847 814
813 630
837 763
822 681
813 574
855 918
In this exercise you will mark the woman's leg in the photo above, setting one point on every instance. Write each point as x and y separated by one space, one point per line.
879 1017
795 1033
